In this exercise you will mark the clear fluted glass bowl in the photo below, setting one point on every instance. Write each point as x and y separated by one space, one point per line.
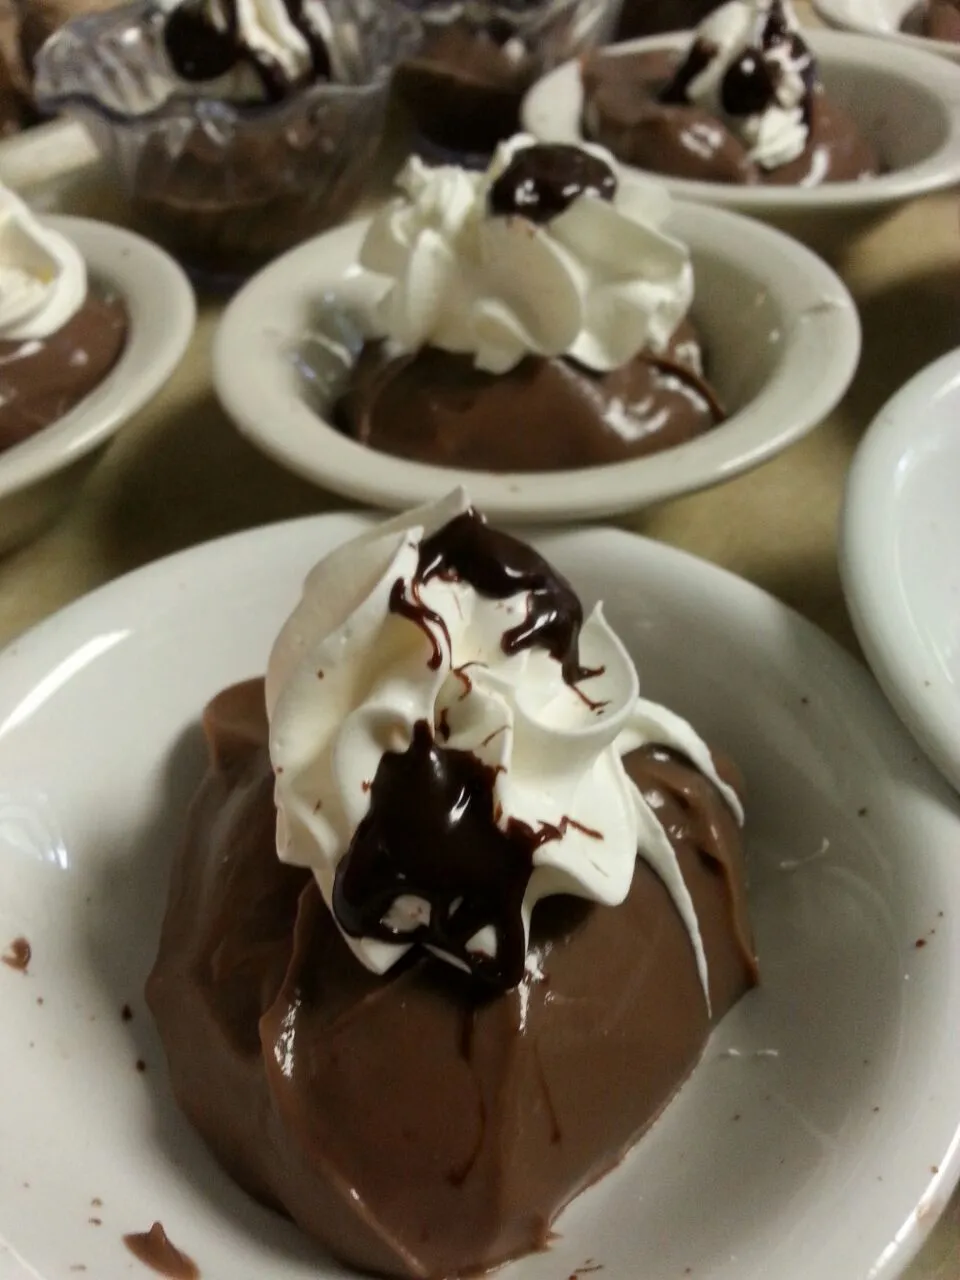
227 186
465 84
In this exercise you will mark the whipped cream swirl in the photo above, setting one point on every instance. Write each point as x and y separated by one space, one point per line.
393 650
43 277
246 50
598 281
750 67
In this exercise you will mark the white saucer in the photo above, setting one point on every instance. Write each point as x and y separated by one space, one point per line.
805 1144
900 556
768 309
162 315
881 18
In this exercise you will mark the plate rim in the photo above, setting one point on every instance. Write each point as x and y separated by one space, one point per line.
880 618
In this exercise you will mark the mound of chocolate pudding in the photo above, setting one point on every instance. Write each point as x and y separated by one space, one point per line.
60 335
536 319
933 19
494 941
745 104
466 81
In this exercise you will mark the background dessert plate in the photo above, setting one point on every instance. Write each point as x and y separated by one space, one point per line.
162 314
906 102
834 1083
899 540
881 18
769 313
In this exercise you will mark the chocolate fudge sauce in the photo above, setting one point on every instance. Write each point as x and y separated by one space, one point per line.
542 181
156 1250
634 105
41 380
413 1124
204 41
543 415
18 955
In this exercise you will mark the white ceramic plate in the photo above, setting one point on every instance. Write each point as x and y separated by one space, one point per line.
806 1143
769 311
162 313
881 18
905 100
900 556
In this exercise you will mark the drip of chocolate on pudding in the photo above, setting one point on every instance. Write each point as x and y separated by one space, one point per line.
204 42
751 83
432 833
542 181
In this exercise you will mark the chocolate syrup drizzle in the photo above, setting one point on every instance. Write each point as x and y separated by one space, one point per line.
750 83
204 41
542 181
432 828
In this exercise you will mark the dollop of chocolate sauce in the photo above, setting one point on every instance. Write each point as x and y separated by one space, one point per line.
750 84
432 830
204 41
498 566
543 180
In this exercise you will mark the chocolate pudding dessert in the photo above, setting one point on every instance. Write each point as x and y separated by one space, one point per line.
465 84
934 20
745 104
536 319
456 909
238 128
60 335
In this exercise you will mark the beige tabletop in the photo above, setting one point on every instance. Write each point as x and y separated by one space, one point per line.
179 474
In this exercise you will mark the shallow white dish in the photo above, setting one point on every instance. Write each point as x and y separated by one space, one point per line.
899 556
881 18
905 100
162 314
769 312
834 1084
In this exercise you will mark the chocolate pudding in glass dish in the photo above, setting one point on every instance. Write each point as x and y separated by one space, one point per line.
60 333
457 908
744 104
465 84
236 128
533 317
934 20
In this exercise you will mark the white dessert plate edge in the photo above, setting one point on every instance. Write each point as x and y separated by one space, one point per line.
832 1084
900 532
881 18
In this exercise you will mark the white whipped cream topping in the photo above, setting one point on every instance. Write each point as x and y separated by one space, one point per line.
777 135
43 277
348 680
600 282
266 28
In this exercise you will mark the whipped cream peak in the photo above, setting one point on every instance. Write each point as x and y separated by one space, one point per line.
43 276
248 50
750 66
547 253
447 732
